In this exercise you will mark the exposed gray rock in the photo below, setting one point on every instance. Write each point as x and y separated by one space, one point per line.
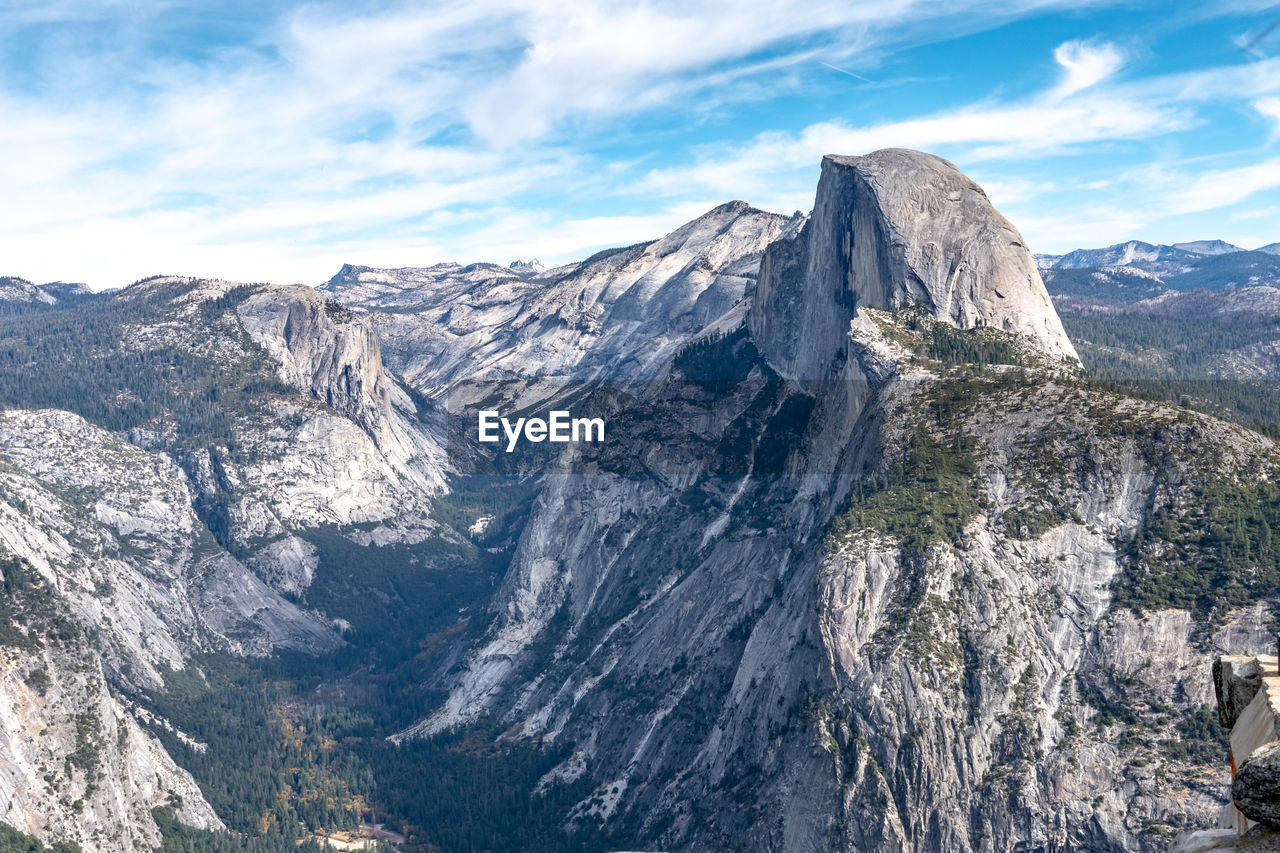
288 565
800 668
322 348
888 229
1256 789
1236 679
1259 839
619 316
112 528
76 765
844 686
1202 841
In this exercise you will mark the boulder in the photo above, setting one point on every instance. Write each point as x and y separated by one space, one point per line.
1260 839
1256 789
1236 679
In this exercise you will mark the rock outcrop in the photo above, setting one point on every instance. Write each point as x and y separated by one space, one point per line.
1255 736
1236 680
1247 689
892 228
828 605
321 348
1256 789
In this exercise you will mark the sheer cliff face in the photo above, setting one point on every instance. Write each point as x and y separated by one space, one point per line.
857 597
889 229
78 765
333 355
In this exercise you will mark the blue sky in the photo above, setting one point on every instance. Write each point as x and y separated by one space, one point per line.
273 141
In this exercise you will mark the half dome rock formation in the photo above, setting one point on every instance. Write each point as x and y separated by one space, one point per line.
891 228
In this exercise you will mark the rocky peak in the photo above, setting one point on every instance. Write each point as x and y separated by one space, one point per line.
331 352
891 228
324 348
533 266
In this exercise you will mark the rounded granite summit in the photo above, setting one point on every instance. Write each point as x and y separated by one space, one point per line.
888 229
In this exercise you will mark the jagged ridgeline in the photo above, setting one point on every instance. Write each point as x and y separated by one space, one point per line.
868 560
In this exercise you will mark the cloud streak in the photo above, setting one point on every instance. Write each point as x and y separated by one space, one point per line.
1085 65
278 140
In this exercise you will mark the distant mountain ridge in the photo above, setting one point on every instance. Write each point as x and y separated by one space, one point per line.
1209 247
19 296
1135 270
1129 253
1137 252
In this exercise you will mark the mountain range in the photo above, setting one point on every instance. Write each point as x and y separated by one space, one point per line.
887 547
1140 254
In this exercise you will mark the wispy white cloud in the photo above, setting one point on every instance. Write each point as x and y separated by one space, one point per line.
1216 188
1046 123
339 120
1086 64
403 134
1271 213
1270 108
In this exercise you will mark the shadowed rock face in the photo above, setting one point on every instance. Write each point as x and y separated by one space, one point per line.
1256 789
1236 680
891 228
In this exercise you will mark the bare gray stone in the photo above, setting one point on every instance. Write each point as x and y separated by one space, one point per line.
1256 789
1236 679
1204 840
891 228
1259 839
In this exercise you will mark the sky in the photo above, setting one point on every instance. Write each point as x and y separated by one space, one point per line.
275 141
